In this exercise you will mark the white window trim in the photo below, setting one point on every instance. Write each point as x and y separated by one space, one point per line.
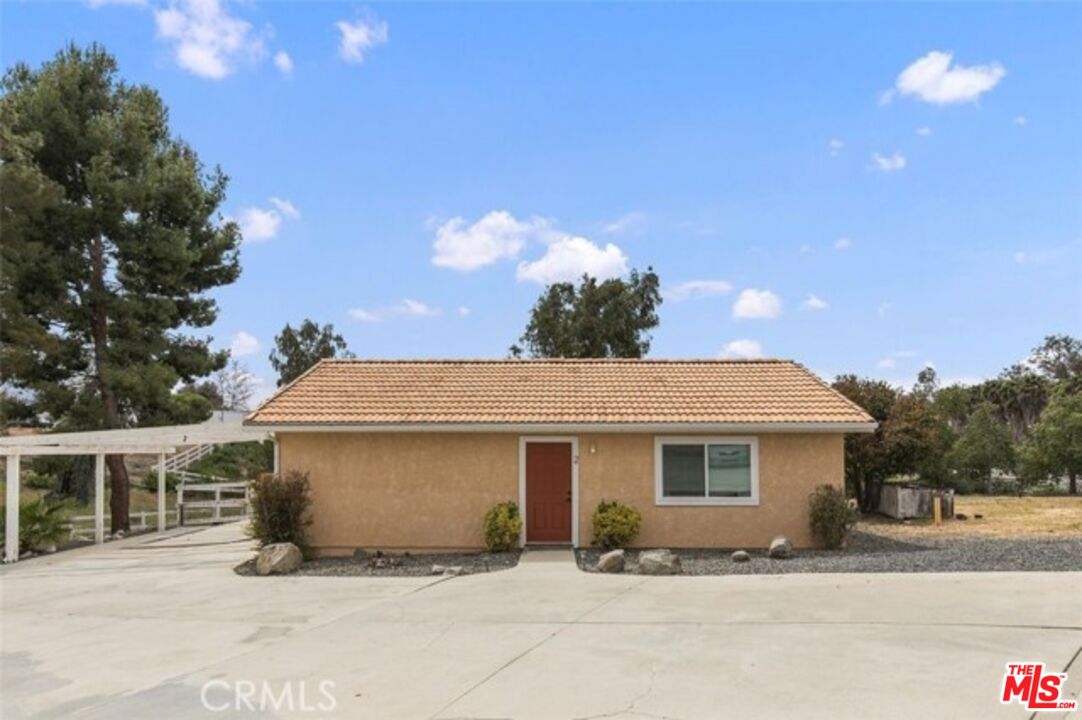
662 440
574 440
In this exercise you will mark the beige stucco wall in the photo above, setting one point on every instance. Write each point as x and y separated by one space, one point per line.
402 490
790 467
430 490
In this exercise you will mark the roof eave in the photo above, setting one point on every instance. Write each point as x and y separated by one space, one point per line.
563 427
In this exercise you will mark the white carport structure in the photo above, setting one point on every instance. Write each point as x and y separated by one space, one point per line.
161 441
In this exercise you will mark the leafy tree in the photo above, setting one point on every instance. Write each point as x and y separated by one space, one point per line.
927 383
1056 445
594 319
1059 358
984 445
1019 395
954 403
111 238
208 390
916 439
297 350
867 459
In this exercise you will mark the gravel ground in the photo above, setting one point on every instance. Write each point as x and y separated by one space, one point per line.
868 552
412 565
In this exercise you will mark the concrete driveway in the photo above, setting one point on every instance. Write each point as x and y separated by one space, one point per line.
162 628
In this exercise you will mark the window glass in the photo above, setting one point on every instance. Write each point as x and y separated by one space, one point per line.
682 471
729 470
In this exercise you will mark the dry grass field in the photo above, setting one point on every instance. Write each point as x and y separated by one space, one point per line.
1000 517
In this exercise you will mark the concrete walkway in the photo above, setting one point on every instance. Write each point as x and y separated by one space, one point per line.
165 629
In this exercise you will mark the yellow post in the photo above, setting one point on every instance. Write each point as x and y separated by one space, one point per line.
937 509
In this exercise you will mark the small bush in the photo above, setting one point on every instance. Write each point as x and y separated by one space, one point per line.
503 527
150 482
615 525
41 523
280 509
830 515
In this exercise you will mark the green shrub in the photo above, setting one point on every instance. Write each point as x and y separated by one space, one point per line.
615 525
41 523
503 527
150 482
236 461
1047 489
830 515
280 509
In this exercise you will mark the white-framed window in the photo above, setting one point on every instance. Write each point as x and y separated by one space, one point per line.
706 470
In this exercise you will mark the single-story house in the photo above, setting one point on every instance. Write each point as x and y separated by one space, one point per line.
411 454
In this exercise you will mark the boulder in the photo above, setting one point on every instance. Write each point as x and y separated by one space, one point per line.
961 516
611 562
439 569
978 516
278 559
659 562
780 548
740 556
452 570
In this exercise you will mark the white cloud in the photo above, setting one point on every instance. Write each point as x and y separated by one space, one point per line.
843 243
207 40
416 308
283 62
243 344
1020 257
934 80
890 360
570 257
365 315
631 222
258 224
95 4
407 308
694 289
757 304
888 163
835 146
496 236
924 131
1020 120
286 208
814 302
743 349
882 309
463 311
805 248
356 38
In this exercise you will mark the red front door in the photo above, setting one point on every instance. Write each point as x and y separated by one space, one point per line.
548 492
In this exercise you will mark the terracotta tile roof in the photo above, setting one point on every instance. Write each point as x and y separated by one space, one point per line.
366 392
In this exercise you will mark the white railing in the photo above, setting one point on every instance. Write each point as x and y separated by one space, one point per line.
226 496
184 458
143 520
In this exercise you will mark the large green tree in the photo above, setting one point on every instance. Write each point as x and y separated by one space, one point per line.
612 318
111 238
297 350
867 459
984 445
1056 444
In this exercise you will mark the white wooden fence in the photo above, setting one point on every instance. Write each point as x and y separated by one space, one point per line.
228 501
229 496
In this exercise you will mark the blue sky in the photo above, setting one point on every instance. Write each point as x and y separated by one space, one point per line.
862 188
